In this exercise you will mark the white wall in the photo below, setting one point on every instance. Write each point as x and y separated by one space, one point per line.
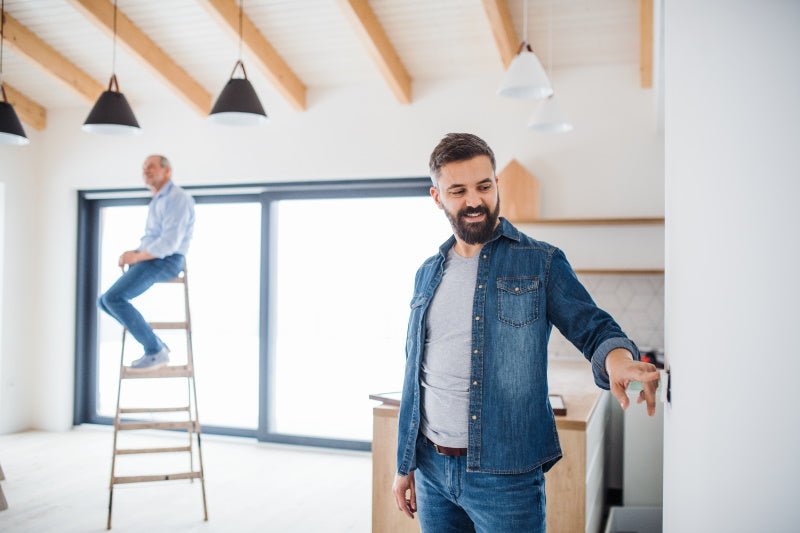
611 165
19 329
732 433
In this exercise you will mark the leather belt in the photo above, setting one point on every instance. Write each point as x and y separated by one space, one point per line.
445 450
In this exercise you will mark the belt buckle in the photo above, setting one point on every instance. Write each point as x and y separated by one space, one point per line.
436 447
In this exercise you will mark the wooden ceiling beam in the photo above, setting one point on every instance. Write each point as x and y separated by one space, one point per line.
29 45
646 43
502 28
30 112
270 62
380 48
101 13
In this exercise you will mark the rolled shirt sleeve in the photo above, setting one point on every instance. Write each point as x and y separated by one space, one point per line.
571 309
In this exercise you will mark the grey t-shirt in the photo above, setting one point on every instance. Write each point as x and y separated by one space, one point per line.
445 371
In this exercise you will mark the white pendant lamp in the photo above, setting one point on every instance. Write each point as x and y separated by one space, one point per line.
525 77
548 117
111 113
11 131
238 103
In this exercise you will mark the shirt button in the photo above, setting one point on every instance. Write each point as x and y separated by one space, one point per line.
474 417
485 256
516 289
477 318
480 286
474 382
474 351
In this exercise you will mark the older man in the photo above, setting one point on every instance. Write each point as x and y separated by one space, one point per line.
159 257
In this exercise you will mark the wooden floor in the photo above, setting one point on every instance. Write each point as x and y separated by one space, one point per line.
58 482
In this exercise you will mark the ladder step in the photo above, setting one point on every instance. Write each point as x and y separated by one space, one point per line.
118 480
153 409
169 325
174 371
130 451
179 279
189 425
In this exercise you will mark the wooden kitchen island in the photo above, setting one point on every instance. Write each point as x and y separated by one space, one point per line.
574 486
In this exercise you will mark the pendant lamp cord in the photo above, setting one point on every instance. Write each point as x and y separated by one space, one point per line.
2 41
524 45
525 21
239 62
241 12
550 38
114 47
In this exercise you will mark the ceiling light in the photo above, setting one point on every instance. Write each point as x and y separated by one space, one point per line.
11 131
549 118
238 103
525 77
111 113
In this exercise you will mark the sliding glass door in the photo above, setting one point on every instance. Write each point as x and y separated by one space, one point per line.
224 266
299 298
344 273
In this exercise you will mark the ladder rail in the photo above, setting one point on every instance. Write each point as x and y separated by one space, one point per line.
193 387
116 430
192 425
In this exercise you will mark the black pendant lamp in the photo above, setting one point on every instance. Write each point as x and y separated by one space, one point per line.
11 131
111 113
238 103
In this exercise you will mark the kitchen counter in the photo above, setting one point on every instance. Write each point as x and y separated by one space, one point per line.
574 486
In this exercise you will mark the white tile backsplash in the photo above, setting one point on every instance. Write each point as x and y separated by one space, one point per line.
635 301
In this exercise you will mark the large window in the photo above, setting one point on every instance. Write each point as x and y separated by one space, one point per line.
299 300
344 276
223 268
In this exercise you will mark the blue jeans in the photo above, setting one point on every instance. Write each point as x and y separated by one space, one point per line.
452 500
137 279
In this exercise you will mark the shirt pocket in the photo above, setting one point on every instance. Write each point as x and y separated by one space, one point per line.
518 300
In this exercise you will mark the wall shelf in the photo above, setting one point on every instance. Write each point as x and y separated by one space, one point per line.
621 271
593 221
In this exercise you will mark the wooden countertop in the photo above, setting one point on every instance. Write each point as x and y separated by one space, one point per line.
572 379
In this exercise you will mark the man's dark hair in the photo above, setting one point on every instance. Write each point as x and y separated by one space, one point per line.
457 147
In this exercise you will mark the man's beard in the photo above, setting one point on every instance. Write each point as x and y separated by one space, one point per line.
474 232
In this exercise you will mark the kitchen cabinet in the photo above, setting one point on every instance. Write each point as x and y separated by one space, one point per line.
574 486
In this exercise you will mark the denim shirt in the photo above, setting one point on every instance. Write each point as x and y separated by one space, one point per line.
524 287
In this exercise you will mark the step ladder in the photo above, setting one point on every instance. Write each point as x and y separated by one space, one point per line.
191 425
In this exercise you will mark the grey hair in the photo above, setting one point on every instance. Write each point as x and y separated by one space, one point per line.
163 161
457 147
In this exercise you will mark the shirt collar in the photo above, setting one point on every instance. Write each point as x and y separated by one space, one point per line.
164 190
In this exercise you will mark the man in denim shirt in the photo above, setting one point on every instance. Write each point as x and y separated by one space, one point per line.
476 431
159 257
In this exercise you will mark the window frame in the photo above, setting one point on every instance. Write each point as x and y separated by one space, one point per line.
90 202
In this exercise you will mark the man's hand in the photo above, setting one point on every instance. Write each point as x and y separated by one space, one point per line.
131 257
404 494
622 369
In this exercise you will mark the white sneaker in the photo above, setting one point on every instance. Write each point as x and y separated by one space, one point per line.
150 362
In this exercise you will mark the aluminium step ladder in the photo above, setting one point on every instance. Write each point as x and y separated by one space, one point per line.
191 425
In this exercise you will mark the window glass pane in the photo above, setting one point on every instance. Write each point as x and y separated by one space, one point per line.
224 279
344 280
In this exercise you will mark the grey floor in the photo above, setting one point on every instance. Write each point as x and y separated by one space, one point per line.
58 482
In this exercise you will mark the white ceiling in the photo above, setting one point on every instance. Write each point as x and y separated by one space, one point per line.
435 39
